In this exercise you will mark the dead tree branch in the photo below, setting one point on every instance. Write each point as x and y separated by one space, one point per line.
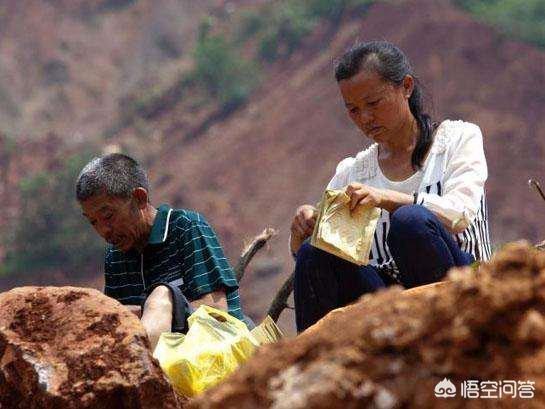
249 252
535 184
280 301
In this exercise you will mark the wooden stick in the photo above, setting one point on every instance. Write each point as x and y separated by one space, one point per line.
249 252
280 301
535 184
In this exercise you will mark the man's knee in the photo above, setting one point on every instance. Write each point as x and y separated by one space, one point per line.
157 314
160 299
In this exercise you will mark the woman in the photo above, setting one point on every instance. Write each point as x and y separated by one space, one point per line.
428 179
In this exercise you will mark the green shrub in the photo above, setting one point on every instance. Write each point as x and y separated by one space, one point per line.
249 24
288 25
331 9
292 20
269 46
222 71
359 5
50 232
516 18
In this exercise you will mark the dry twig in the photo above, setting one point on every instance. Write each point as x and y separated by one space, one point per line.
280 301
535 184
249 252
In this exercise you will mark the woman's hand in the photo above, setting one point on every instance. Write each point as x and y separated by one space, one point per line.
363 195
302 226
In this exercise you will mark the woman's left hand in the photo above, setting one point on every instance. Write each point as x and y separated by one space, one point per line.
364 195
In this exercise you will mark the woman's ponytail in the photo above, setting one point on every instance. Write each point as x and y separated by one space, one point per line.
425 124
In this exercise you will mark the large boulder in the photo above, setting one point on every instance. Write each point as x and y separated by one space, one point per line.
397 349
71 347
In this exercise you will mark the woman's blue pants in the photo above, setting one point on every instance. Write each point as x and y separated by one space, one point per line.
422 248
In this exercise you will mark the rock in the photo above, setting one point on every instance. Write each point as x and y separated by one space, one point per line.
391 349
67 347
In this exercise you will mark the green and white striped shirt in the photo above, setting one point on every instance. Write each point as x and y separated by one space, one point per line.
182 250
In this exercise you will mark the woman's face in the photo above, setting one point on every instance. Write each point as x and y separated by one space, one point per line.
379 108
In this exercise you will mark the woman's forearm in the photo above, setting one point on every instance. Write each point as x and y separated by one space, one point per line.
392 200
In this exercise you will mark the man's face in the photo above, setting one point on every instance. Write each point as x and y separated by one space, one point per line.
117 220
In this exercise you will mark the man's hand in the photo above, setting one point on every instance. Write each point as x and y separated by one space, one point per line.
216 299
302 226
135 309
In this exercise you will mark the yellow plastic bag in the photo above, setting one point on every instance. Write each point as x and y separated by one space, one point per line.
214 346
342 233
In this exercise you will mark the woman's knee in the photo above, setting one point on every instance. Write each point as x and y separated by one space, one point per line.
317 268
409 215
308 261
409 222
305 251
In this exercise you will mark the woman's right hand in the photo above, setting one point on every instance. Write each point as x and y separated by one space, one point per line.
302 226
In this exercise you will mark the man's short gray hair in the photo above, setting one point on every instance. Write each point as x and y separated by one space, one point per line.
114 174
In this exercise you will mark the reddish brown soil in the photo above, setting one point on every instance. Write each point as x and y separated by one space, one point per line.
67 347
390 349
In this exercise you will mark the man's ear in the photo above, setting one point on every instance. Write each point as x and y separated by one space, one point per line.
408 85
140 195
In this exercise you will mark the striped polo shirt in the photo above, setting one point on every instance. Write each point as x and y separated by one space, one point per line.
182 250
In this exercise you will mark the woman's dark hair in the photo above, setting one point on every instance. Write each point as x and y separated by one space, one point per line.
392 65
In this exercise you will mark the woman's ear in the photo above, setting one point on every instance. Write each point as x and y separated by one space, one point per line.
140 195
408 85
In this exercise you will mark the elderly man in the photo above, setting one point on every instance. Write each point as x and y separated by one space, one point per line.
161 252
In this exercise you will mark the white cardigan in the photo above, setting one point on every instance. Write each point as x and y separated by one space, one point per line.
450 184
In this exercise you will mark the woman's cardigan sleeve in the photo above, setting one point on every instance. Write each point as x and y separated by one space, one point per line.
341 177
464 177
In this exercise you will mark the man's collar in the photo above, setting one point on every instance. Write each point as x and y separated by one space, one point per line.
159 230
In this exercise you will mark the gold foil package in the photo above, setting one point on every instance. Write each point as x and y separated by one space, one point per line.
345 234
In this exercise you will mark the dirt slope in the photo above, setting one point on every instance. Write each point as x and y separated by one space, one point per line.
66 65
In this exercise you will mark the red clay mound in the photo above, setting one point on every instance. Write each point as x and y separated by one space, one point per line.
71 347
390 350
